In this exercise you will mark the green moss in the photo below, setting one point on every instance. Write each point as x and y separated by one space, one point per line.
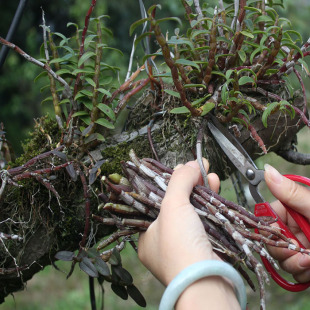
119 153
45 136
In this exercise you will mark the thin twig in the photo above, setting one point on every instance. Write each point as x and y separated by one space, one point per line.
199 156
68 92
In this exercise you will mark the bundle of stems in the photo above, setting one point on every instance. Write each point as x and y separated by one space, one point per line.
134 202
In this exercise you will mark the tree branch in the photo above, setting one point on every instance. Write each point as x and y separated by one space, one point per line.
295 157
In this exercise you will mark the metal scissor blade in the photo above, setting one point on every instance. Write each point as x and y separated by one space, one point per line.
242 162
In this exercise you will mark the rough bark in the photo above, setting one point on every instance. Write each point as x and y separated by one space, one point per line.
48 225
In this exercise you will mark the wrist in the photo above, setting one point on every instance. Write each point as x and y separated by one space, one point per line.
214 292
208 287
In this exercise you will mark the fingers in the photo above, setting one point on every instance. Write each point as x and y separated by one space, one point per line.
296 197
298 265
287 191
214 182
181 184
213 179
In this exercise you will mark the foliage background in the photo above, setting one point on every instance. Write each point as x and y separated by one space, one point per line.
20 102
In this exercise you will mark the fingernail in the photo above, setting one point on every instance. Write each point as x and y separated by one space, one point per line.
273 174
304 262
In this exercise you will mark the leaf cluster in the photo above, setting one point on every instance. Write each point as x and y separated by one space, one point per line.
94 266
216 60
80 62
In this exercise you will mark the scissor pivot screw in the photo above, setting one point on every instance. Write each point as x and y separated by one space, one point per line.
250 174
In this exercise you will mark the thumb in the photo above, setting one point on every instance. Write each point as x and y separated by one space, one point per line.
287 191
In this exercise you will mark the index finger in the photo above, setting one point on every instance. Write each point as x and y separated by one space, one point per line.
287 191
181 185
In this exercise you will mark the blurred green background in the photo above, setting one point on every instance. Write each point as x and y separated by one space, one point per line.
20 102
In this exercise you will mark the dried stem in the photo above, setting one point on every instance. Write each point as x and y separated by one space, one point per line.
227 224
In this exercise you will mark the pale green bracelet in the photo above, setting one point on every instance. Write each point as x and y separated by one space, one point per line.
198 271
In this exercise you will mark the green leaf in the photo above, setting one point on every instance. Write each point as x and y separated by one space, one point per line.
186 62
100 137
246 70
90 81
77 71
92 253
73 24
89 39
104 91
206 108
39 76
105 80
63 71
86 119
271 71
65 255
88 267
251 8
285 20
285 105
242 55
102 267
298 35
294 46
172 93
97 18
88 104
200 100
119 291
177 41
197 32
86 92
115 258
135 294
195 85
79 113
58 60
87 130
218 73
180 110
304 65
64 101
224 93
105 123
107 111
193 23
153 7
114 50
264 18
50 98
247 34
42 89
141 37
84 57
78 96
249 24
228 74
176 19
123 274
223 39
61 36
246 79
137 24
253 54
268 111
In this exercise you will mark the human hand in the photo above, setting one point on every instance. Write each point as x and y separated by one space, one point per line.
296 197
177 239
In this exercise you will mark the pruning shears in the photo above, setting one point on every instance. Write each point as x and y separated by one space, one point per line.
243 162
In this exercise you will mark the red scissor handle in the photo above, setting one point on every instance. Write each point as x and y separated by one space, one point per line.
264 209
